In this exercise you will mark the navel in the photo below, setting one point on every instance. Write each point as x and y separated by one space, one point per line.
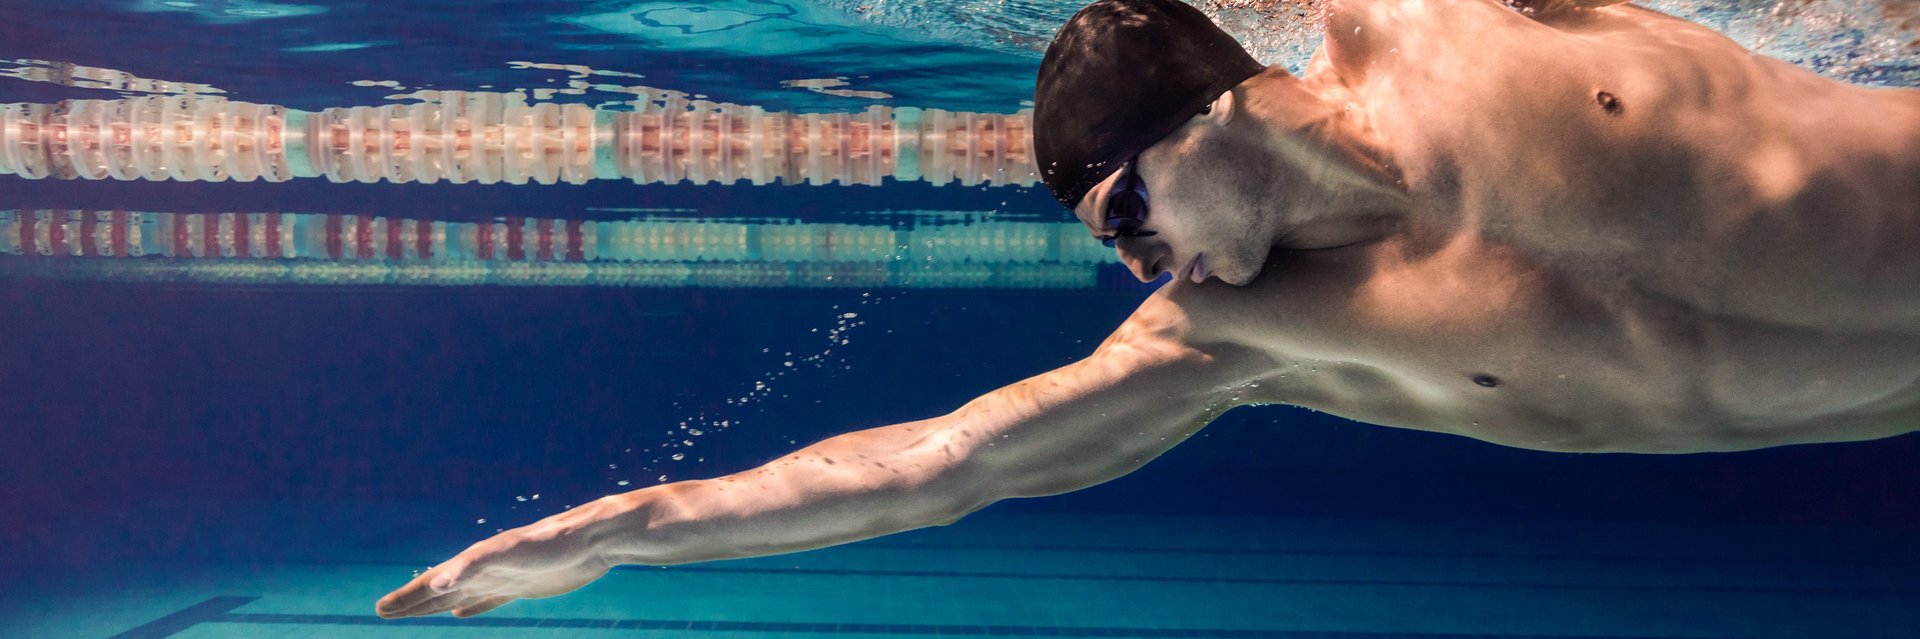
1608 102
1486 380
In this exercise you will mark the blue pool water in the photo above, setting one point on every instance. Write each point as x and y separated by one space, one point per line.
224 452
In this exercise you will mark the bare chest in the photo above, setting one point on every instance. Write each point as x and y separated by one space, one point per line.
1654 150
1635 237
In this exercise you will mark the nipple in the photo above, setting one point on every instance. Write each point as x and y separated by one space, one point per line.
1608 103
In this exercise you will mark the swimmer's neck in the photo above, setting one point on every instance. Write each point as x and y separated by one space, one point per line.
1353 193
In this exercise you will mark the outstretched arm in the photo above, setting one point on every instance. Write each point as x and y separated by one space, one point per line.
1145 389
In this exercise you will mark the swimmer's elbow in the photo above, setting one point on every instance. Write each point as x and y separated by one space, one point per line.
1142 391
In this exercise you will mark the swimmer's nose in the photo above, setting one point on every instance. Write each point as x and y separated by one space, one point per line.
1144 272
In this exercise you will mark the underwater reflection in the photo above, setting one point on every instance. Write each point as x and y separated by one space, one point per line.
312 248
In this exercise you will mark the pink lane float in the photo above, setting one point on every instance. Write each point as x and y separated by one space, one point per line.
490 138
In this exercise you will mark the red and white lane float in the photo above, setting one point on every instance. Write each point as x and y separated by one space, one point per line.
493 138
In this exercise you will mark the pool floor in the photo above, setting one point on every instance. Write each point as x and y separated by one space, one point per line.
1020 573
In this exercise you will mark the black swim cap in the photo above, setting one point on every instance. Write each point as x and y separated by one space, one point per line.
1120 75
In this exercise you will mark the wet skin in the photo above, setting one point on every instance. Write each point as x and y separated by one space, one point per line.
1576 229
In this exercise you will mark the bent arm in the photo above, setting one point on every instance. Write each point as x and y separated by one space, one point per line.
1141 392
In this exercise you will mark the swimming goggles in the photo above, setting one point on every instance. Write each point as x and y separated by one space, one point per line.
1127 205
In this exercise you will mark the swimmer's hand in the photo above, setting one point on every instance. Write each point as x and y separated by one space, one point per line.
552 556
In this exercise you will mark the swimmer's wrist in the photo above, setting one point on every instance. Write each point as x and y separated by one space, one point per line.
625 528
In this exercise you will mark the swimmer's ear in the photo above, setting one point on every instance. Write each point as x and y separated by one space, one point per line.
1220 112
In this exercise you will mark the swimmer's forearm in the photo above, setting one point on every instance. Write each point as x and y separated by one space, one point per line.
851 487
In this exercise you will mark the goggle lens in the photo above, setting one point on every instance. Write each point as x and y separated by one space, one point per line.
1127 207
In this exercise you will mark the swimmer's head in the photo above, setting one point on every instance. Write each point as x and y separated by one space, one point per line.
1202 201
1119 76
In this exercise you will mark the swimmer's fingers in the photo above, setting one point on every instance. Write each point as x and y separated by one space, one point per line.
437 605
481 607
404 599
542 559
455 572
432 604
436 590
457 602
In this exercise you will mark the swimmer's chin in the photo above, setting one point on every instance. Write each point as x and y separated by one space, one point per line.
1253 270
1238 281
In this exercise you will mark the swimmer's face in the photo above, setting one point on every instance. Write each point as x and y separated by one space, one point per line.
1202 216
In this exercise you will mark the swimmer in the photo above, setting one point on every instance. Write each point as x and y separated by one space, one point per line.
1570 225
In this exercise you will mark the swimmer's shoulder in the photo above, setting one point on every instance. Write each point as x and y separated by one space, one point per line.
1209 318
1348 13
1549 9
1361 33
1296 294
1529 7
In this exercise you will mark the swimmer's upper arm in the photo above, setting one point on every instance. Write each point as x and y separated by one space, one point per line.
1145 389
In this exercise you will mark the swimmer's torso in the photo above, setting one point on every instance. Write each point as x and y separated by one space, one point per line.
1632 236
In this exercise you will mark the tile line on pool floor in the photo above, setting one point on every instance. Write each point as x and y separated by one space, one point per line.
219 610
1395 554
188 617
